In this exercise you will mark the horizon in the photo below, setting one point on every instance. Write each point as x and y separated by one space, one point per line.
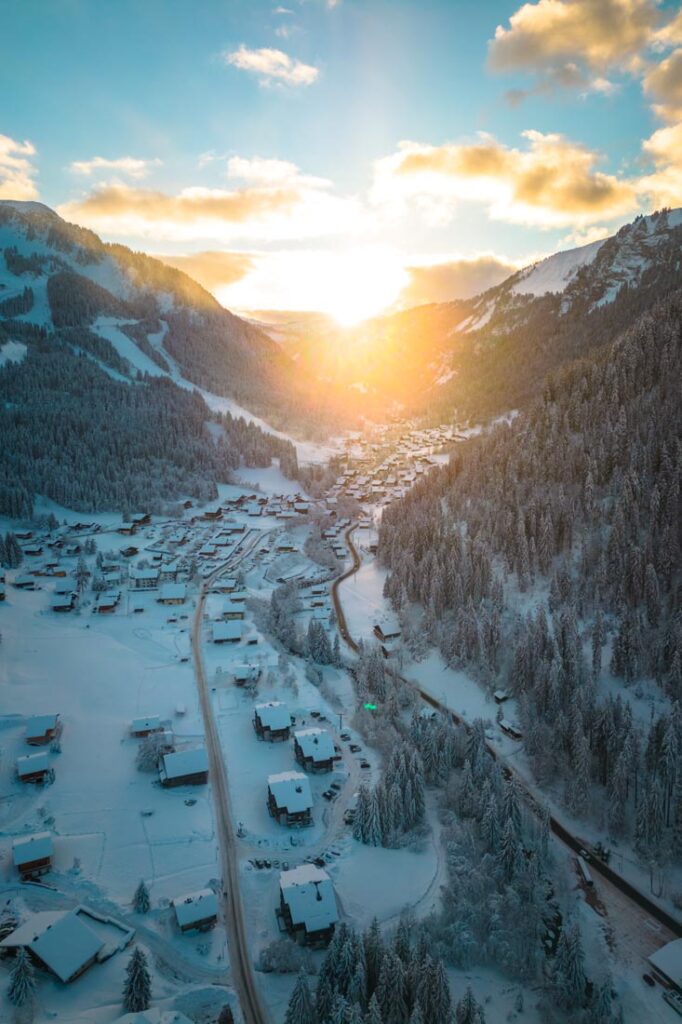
275 169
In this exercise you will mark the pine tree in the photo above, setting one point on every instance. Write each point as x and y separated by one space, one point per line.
301 1009
227 1017
468 1010
141 901
569 974
22 980
137 989
373 1015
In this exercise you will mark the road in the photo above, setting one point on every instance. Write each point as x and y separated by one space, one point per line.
573 842
243 979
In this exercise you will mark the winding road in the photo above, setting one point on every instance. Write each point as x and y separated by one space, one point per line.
570 840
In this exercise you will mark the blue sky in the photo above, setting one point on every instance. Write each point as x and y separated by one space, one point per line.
273 131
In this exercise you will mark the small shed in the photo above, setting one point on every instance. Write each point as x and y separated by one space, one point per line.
387 630
289 799
196 911
32 855
184 767
307 905
246 674
140 727
272 721
314 749
42 729
34 767
500 696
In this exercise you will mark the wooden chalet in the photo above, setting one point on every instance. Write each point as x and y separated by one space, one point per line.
32 855
42 729
172 593
184 767
389 630
233 610
510 729
198 911
34 767
314 750
290 801
227 632
272 721
307 905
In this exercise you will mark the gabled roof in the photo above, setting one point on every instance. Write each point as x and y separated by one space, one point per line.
291 790
38 725
315 743
173 592
273 715
30 763
29 848
230 630
668 960
309 894
60 939
184 762
145 724
195 906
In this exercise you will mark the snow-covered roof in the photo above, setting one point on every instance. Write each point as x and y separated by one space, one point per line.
315 743
668 960
291 790
184 762
173 592
230 630
30 848
231 607
38 725
145 724
309 894
30 763
62 940
65 585
144 574
273 715
195 906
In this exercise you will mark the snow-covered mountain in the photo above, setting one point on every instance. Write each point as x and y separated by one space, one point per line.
491 353
134 314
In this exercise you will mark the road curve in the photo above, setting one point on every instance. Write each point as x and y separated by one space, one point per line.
243 979
559 830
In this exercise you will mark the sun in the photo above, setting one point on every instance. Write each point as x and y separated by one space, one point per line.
349 285
364 283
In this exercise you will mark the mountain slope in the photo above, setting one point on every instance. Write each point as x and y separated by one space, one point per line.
481 356
94 412
69 280
547 557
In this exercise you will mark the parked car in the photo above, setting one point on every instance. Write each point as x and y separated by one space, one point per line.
649 980
354 748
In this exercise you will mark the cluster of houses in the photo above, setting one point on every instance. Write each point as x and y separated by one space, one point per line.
289 797
377 472
41 731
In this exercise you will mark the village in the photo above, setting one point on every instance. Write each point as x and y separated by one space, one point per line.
105 754
120 636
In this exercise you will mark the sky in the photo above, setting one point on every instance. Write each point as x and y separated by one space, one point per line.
346 156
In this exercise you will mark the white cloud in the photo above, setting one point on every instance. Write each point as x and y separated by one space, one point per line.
16 169
272 65
130 166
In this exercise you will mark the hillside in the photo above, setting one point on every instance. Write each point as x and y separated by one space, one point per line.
98 351
483 356
135 314
547 559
